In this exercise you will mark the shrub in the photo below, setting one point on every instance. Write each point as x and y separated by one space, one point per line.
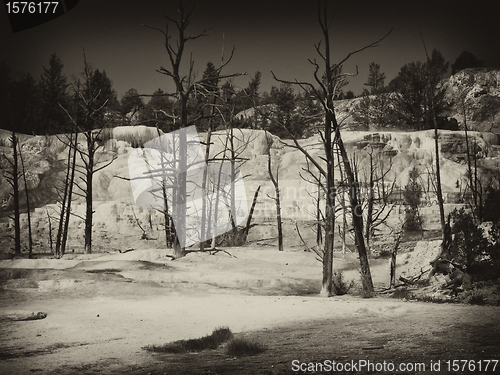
413 194
212 341
340 286
385 253
469 242
477 298
432 299
402 293
491 205
243 347
447 123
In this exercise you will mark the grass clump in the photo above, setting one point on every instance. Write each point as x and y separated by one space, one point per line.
243 347
432 299
212 341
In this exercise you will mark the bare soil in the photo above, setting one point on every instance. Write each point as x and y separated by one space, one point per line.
102 309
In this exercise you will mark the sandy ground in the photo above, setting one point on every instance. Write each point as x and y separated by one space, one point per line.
103 308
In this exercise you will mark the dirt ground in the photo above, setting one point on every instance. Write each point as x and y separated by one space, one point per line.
102 309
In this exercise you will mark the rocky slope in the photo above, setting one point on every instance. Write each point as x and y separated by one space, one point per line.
116 216
478 90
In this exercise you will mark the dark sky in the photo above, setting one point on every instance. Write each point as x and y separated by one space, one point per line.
268 35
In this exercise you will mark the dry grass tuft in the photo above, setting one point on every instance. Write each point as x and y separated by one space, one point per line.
212 341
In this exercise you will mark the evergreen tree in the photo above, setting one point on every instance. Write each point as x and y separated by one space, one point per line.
249 97
419 91
93 97
410 85
53 87
349 95
6 81
211 78
282 118
464 61
413 195
24 104
376 78
436 68
159 111
131 102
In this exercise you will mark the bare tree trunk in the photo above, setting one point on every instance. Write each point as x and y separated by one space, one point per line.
357 220
30 236
319 232
166 217
15 194
277 201
250 215
344 209
478 188
180 192
70 197
88 196
331 193
394 254
371 199
439 191
232 207
50 231
62 215
469 168
204 184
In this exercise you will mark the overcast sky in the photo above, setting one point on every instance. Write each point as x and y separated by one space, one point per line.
268 35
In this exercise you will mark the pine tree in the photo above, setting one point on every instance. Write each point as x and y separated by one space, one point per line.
376 78
131 102
464 61
53 87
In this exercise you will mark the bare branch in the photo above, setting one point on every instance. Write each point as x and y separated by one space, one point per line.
374 44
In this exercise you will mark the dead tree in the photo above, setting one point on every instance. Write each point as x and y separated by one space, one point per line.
30 236
71 182
67 194
430 87
328 83
394 254
250 214
233 147
376 195
89 121
276 198
473 181
210 87
12 177
62 211
185 87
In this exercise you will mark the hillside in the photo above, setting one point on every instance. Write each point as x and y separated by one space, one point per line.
480 88
116 216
